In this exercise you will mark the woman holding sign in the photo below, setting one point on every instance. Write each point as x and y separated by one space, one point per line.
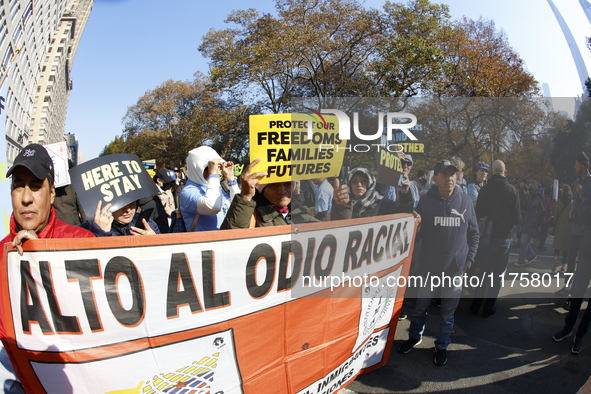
204 203
124 221
359 198
263 205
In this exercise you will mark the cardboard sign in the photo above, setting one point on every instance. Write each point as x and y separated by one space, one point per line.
116 179
266 310
294 147
59 155
389 168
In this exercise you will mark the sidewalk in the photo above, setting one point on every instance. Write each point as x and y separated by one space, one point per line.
509 352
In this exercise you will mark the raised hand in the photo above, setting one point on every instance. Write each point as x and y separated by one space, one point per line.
250 181
102 217
341 193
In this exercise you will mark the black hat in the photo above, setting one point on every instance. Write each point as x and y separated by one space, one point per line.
36 159
163 174
444 165
583 159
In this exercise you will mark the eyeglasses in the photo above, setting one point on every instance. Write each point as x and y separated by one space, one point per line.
406 163
358 182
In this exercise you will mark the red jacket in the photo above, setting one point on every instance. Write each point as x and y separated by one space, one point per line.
54 229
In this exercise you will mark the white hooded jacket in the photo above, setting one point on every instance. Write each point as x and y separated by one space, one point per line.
204 196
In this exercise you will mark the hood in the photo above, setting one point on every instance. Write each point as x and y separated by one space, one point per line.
197 161
371 196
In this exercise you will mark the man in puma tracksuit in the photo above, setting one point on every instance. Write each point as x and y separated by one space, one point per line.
449 233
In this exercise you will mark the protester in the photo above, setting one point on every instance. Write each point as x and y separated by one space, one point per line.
421 181
263 205
32 195
480 173
498 200
428 184
449 233
323 193
562 228
581 185
523 191
33 217
121 222
407 163
359 198
164 182
548 218
529 225
460 165
67 207
581 280
203 199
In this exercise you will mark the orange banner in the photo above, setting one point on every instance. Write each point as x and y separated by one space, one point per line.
290 309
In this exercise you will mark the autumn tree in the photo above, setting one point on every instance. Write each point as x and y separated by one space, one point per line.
481 63
178 116
410 56
314 48
573 137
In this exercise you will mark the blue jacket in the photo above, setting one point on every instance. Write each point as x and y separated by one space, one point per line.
449 232
116 228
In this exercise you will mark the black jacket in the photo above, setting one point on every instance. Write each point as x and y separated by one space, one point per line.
501 200
383 206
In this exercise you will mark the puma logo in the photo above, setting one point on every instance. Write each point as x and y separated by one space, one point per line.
453 211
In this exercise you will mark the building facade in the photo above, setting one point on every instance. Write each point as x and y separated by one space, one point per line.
38 42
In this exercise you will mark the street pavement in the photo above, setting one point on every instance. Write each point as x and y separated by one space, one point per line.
511 351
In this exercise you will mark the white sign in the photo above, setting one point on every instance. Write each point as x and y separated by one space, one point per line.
59 154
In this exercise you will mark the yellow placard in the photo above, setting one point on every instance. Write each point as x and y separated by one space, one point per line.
296 146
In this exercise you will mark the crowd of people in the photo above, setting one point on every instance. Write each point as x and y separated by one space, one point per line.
468 224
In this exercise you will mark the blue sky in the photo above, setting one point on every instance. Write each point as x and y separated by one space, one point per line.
132 46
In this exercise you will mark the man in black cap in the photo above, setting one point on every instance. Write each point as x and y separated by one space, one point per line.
32 193
581 185
449 233
33 217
